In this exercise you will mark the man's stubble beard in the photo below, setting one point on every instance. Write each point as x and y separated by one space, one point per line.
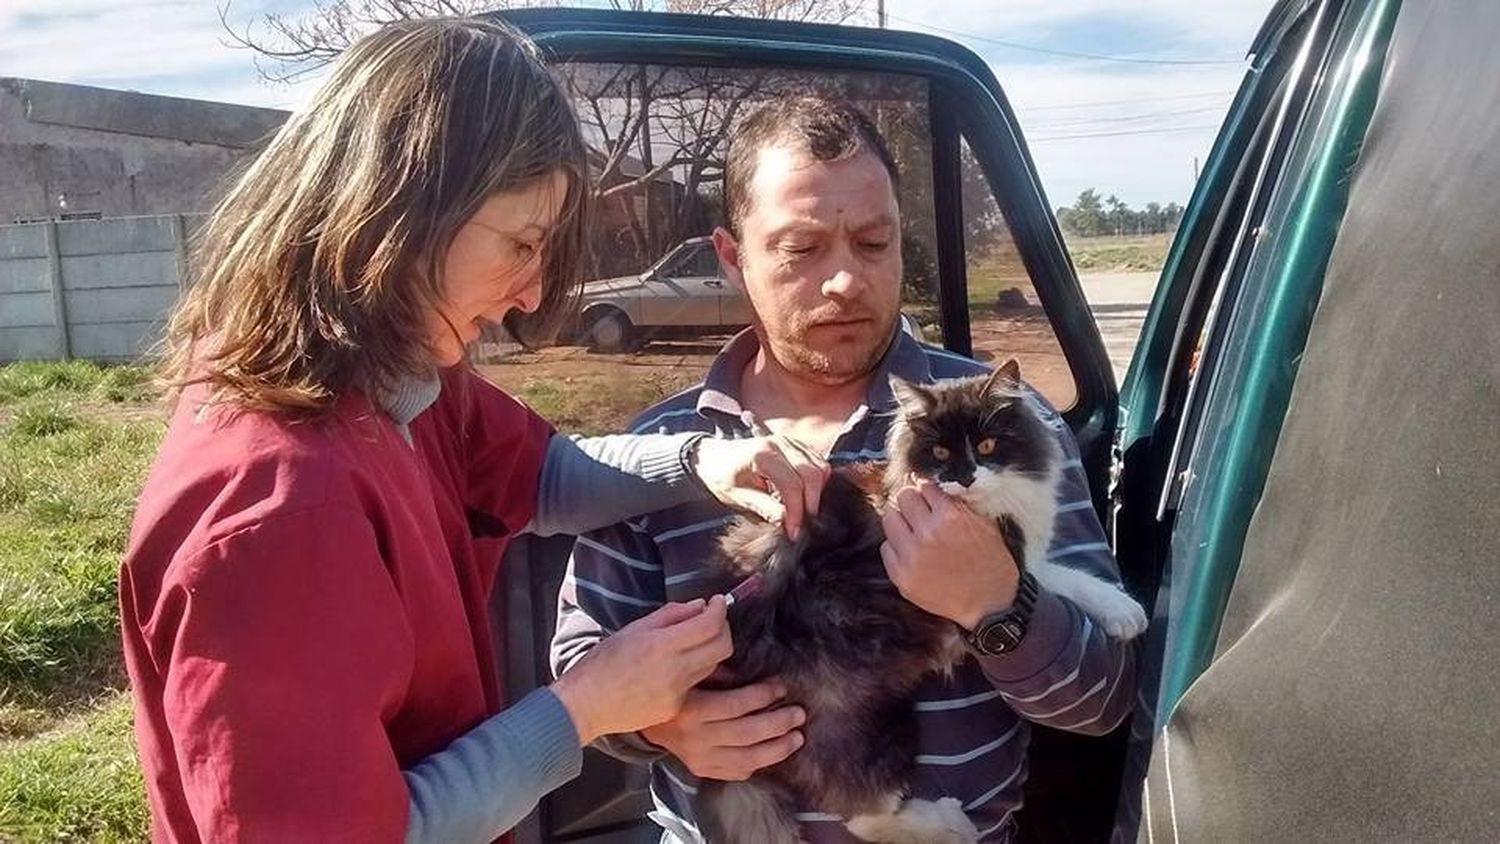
791 352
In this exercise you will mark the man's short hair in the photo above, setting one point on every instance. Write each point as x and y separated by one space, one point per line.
829 128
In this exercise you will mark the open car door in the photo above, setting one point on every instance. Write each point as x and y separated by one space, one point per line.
657 95
1308 459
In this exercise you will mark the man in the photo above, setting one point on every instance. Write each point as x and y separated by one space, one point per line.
813 240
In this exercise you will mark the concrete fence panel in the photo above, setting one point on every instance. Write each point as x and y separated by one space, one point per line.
95 289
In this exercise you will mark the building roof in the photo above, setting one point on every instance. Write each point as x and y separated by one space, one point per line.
147 115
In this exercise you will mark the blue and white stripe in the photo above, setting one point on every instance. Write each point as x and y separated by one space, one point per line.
972 731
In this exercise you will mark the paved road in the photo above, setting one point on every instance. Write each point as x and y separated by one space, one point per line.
1119 302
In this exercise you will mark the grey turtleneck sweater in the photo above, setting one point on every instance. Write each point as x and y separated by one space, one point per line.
487 780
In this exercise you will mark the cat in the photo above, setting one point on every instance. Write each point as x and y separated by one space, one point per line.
983 440
820 614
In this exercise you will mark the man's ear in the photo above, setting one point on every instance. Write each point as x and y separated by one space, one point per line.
728 250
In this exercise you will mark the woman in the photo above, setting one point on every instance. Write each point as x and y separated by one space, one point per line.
304 598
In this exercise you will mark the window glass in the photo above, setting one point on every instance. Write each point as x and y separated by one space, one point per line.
1006 319
657 136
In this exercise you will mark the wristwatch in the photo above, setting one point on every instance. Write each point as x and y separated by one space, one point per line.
1001 632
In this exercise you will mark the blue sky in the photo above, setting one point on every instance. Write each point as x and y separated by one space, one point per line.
1128 128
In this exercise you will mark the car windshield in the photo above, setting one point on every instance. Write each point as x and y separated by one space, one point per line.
697 260
657 136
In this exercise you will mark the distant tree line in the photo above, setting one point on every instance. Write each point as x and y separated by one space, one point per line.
1091 216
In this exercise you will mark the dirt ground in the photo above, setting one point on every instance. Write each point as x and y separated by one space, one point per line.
1028 338
571 364
596 393
587 393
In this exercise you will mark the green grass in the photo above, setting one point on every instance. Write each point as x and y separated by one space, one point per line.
67 488
75 442
1002 269
74 379
988 276
592 406
1120 254
77 782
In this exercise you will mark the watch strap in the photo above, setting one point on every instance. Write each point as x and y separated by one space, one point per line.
1002 631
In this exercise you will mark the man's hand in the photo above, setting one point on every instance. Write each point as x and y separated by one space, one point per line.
729 735
775 477
945 558
643 673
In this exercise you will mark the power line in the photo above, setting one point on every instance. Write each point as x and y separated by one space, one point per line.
1129 118
1122 133
1133 101
1067 53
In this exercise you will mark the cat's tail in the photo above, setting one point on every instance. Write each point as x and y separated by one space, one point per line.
755 811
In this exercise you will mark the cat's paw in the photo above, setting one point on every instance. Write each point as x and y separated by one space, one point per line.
945 821
917 822
1119 614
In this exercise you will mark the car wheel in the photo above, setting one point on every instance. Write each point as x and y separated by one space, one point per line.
611 331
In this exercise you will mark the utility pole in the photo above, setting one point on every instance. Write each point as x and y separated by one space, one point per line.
1195 158
880 13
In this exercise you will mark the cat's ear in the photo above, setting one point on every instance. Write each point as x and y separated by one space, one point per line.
1006 375
914 400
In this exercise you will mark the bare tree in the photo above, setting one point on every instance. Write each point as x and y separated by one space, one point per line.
288 47
815 11
656 134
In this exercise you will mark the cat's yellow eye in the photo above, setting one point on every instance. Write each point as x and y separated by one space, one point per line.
941 453
986 447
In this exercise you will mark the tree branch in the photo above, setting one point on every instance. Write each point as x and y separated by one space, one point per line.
645 178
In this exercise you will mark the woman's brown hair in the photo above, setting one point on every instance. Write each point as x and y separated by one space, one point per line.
316 271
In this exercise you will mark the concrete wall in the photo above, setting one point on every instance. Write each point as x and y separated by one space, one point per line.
96 289
118 153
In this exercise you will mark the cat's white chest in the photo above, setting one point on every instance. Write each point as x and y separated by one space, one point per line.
1028 500
1032 504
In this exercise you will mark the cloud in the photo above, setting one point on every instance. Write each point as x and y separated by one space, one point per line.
1131 129
1132 134
176 47
173 47
1225 25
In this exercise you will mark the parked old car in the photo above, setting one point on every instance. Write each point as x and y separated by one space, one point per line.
683 294
1300 471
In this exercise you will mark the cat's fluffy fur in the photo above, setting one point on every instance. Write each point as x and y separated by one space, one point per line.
850 649
1017 486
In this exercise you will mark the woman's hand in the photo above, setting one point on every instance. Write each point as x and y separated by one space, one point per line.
639 676
775 477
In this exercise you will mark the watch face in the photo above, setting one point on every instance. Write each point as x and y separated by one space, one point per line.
1001 636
